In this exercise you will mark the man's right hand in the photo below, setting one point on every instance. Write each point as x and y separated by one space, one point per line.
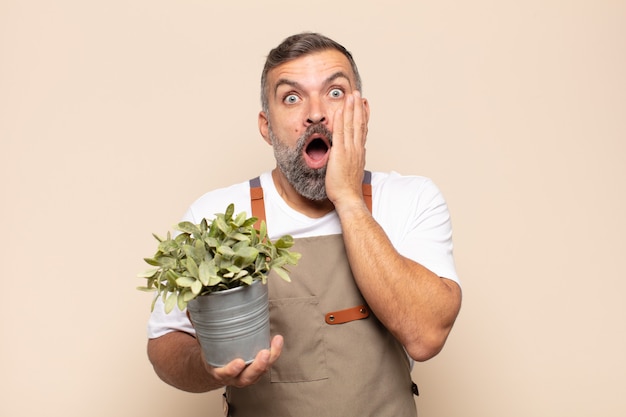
178 360
237 374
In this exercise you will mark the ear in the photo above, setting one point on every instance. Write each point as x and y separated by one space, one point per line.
264 127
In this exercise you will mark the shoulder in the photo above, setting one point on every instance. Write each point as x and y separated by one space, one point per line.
415 216
400 190
216 201
405 203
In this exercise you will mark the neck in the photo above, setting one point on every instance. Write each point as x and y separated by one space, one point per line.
310 208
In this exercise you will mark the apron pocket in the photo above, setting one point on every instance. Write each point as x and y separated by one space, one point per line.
304 354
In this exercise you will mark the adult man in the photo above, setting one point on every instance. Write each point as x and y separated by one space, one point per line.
393 259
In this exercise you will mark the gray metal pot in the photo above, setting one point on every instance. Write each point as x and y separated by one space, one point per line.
232 324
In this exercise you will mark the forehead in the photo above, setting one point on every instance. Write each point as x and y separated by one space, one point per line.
312 69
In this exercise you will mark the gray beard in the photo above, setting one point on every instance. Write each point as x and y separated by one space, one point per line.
308 182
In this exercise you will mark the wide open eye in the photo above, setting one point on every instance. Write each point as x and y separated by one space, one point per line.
291 99
336 93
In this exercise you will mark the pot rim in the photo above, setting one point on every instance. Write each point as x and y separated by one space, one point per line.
232 290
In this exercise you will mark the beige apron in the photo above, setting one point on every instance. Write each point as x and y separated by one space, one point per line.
338 359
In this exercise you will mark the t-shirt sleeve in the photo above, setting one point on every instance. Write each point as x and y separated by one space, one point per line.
416 218
160 322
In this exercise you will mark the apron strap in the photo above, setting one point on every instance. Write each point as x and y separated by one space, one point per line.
258 205
367 189
256 200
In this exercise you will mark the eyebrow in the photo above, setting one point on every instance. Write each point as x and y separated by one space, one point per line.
295 84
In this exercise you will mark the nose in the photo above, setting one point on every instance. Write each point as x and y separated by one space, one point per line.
313 119
316 112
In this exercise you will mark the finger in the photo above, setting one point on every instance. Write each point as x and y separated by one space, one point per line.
262 363
366 116
276 349
348 120
266 358
229 371
338 127
253 372
358 120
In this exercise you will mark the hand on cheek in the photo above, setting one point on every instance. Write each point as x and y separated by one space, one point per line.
347 157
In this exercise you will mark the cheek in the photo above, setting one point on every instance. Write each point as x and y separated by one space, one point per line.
332 110
289 126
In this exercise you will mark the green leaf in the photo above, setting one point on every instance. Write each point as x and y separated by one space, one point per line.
221 224
242 273
182 238
171 277
212 242
157 237
188 296
206 270
151 261
246 255
168 246
240 219
196 287
240 237
182 304
229 211
223 263
195 251
260 264
188 227
192 267
186 281
148 274
278 263
226 251
284 242
171 302
291 257
283 273
249 222
166 262
214 280
246 280
263 231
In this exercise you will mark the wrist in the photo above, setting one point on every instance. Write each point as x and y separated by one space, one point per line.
353 208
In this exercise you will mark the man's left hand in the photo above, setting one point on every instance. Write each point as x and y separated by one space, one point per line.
344 174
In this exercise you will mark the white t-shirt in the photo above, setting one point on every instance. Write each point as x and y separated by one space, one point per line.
410 209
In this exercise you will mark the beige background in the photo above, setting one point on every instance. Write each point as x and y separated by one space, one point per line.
115 115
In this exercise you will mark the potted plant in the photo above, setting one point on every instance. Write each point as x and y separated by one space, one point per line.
218 271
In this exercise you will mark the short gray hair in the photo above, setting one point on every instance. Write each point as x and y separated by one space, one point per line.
297 46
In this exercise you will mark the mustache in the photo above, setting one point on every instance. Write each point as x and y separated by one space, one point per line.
315 129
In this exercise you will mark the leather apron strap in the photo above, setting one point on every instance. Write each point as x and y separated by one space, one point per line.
258 206
256 200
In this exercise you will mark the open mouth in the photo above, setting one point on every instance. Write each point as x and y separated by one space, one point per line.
316 151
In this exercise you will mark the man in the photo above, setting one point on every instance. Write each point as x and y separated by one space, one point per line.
328 355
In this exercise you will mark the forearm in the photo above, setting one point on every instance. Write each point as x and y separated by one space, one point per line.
177 360
416 306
